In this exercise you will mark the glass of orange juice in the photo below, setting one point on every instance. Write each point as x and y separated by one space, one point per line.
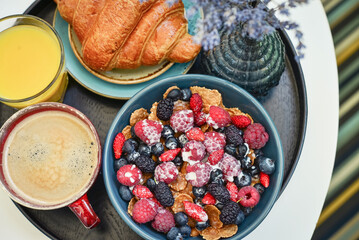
32 62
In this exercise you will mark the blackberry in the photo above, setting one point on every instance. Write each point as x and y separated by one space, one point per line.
233 135
219 192
144 149
119 163
131 158
199 191
164 195
178 161
171 143
246 163
229 213
181 218
151 184
157 149
186 94
182 139
129 146
165 109
174 94
145 164
260 188
244 180
167 132
202 225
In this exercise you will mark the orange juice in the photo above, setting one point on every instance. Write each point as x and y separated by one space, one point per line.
31 65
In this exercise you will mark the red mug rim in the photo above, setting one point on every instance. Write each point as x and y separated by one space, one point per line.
19 116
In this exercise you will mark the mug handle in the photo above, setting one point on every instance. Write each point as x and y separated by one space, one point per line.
85 213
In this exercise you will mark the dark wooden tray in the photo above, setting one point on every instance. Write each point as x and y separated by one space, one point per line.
286 104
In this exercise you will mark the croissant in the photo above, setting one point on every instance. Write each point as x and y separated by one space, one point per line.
127 33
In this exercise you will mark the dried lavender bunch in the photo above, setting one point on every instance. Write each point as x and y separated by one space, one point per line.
256 18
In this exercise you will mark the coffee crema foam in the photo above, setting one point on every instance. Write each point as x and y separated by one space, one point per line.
50 157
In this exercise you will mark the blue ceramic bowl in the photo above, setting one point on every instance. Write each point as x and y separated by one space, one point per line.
233 96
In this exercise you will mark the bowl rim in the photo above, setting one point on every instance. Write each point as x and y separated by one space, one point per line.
107 153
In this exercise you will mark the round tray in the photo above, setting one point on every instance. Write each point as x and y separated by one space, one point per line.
286 104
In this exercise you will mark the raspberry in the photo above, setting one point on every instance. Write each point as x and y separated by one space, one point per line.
165 109
196 102
164 195
195 211
248 196
233 135
200 118
144 211
233 191
264 179
255 136
145 164
218 117
230 166
219 192
141 191
164 221
208 199
166 172
215 157
198 174
193 151
229 213
129 175
118 144
182 121
214 141
169 155
148 131
241 121
195 134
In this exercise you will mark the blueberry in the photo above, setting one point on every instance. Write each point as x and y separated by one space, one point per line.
253 170
157 149
258 153
244 180
216 176
202 225
242 149
181 218
266 165
171 143
246 210
199 202
185 231
246 163
167 132
240 218
186 94
129 146
125 193
241 132
144 149
199 191
231 150
221 130
174 94
182 139
119 163
131 158
133 134
220 205
260 188
151 184
178 161
173 234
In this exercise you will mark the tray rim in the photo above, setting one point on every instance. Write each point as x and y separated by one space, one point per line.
36 7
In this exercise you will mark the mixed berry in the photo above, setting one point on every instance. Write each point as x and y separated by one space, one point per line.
192 166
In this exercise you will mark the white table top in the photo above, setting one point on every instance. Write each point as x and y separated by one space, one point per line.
296 212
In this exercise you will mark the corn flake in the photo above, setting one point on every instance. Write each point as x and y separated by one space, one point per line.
211 233
153 112
127 132
213 216
228 230
180 105
209 97
138 115
195 232
180 183
178 204
130 205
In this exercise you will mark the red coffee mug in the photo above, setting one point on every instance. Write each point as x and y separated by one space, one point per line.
78 203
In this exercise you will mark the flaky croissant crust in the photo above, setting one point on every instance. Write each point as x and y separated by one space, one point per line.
127 33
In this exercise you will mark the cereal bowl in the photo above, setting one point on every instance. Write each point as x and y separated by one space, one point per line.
233 96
